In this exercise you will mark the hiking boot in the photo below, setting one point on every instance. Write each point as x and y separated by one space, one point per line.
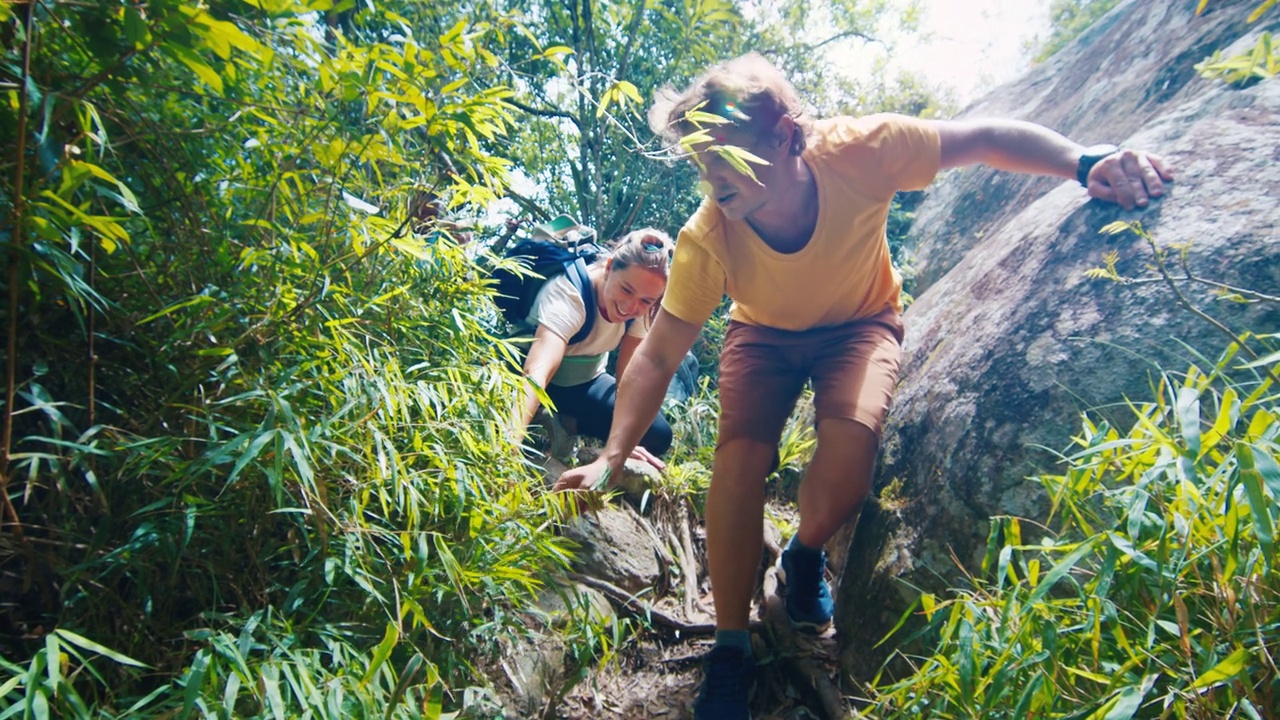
807 595
726 683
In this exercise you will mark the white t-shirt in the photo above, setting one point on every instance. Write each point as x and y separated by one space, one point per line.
559 307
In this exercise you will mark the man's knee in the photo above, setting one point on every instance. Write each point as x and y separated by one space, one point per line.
847 436
845 458
743 461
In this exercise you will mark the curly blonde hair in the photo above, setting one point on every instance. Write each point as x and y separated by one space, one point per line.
748 91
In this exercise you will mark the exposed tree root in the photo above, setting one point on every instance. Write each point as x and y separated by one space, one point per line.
790 648
639 608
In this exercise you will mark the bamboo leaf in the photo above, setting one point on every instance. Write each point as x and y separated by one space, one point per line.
85 643
137 706
1188 409
1002 570
555 51
189 302
1257 12
929 604
1023 708
230 34
630 91
1268 359
1129 700
1259 503
53 665
1222 424
408 677
358 204
1123 545
1265 463
1061 568
40 704
435 702
271 686
1230 666
206 74
1120 226
390 637
194 680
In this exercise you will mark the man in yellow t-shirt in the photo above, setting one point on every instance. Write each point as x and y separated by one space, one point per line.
798 243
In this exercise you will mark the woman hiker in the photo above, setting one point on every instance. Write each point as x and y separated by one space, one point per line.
627 286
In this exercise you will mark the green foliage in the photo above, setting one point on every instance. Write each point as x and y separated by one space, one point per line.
1242 70
1067 19
258 423
1154 593
1260 63
906 93
585 140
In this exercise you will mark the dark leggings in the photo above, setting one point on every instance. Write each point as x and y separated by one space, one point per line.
591 404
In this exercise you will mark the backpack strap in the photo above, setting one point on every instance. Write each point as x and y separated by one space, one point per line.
577 272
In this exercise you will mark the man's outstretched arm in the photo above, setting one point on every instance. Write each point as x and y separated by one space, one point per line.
641 389
1127 177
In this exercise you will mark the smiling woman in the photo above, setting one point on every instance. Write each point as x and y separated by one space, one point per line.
627 287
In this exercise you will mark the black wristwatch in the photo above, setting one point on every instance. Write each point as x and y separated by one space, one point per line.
1092 156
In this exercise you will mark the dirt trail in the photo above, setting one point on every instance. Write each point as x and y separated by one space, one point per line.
656 676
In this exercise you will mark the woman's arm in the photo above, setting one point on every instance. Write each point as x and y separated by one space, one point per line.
540 365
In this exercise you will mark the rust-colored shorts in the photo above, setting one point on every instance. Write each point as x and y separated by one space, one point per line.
854 368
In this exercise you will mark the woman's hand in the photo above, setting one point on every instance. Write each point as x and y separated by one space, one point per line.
645 456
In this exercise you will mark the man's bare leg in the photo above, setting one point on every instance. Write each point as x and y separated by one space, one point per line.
735 520
838 479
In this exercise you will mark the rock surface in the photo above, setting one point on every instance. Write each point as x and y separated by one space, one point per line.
619 546
1008 341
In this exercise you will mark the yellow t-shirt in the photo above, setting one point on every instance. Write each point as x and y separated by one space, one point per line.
844 272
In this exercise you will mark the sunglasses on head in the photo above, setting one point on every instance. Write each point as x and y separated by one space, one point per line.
653 245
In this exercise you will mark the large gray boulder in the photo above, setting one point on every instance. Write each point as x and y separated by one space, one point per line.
1009 341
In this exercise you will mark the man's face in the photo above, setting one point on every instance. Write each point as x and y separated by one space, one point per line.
738 194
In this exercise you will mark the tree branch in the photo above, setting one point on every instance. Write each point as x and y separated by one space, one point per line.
842 36
1182 300
643 609
629 44
16 243
542 112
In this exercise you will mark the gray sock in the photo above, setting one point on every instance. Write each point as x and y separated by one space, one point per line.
740 639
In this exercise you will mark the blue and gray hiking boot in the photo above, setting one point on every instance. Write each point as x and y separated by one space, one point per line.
807 595
726 685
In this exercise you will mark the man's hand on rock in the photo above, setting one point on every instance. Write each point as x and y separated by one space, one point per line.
594 476
1129 178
